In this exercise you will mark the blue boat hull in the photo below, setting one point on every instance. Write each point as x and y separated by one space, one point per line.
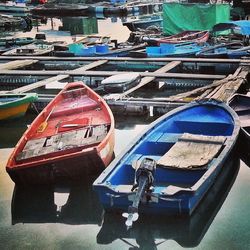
209 119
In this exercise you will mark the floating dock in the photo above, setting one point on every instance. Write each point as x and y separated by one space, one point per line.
231 74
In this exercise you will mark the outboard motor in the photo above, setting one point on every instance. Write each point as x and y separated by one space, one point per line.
144 178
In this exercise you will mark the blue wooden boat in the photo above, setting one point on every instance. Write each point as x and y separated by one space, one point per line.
101 50
238 53
232 50
173 163
170 50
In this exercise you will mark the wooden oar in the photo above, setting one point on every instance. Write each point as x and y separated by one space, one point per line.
44 124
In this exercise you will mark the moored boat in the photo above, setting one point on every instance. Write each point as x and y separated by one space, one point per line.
169 50
144 23
71 138
186 36
173 163
15 105
224 50
241 105
30 50
101 50
120 82
16 41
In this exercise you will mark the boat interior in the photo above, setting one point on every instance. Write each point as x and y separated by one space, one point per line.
191 132
75 122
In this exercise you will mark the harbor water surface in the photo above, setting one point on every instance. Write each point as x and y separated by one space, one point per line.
29 217
29 220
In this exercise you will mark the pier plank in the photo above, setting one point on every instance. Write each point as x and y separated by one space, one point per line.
90 66
130 59
109 73
16 64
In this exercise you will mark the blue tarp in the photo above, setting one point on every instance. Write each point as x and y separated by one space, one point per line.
242 26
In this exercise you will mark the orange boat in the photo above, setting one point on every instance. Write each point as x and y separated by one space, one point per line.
71 138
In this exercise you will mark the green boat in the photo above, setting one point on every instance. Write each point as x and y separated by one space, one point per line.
16 41
15 105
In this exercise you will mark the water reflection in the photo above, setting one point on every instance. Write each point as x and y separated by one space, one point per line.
12 130
150 231
38 205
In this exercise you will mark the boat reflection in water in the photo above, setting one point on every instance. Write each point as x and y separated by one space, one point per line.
80 205
150 231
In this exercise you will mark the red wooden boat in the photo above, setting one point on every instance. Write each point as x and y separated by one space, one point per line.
187 36
71 138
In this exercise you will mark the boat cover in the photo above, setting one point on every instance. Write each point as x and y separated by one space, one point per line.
121 78
181 17
241 26
192 151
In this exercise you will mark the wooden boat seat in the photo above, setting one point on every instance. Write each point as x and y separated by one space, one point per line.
74 139
80 105
164 137
192 151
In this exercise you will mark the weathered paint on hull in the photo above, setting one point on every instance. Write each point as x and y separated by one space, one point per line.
13 112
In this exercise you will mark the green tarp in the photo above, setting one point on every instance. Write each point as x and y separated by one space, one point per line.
180 17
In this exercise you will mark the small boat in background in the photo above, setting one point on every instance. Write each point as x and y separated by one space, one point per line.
30 50
225 50
193 36
171 166
19 41
14 9
15 105
100 50
241 105
169 50
121 82
238 53
144 22
70 139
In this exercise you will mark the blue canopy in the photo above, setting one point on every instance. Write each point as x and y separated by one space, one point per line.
242 26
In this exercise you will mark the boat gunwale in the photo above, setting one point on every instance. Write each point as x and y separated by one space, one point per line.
230 142
13 165
26 98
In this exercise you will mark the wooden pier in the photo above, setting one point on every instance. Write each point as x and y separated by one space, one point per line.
127 102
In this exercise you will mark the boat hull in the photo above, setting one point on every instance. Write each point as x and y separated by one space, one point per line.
64 170
15 108
14 112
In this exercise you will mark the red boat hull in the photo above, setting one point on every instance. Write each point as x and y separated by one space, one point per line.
70 139
186 36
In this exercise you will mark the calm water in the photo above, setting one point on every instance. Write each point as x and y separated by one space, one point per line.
28 217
